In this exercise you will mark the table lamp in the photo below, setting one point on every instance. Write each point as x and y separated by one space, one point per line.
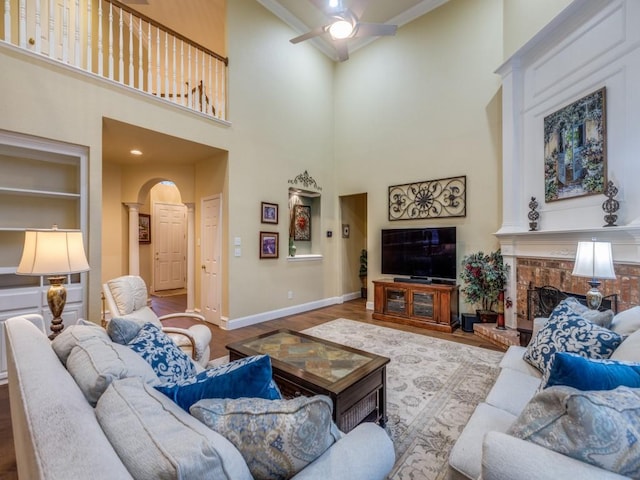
594 260
56 254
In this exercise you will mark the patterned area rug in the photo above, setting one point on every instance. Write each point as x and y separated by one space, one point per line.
433 387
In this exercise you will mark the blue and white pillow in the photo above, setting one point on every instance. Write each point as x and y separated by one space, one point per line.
567 331
170 364
247 377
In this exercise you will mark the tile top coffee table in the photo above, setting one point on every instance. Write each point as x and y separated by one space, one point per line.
355 380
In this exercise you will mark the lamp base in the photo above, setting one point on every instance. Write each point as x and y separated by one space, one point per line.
593 296
56 298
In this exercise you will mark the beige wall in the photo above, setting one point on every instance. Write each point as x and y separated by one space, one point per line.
421 105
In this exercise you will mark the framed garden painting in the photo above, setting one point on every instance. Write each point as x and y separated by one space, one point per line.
575 149
269 244
269 213
301 222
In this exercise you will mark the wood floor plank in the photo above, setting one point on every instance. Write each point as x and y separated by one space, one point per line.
353 310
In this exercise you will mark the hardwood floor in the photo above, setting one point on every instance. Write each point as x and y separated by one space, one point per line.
353 310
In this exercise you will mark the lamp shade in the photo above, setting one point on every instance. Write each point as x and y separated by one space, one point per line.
594 260
52 252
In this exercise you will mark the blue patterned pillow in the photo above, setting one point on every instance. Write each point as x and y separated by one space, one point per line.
246 377
567 331
277 438
170 363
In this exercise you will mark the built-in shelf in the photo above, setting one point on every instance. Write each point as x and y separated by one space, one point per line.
309 257
38 193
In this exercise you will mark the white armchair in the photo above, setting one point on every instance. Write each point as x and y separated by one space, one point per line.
126 297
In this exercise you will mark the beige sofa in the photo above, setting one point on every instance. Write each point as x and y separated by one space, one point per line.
58 436
486 450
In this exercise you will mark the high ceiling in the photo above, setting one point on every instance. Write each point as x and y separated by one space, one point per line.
303 16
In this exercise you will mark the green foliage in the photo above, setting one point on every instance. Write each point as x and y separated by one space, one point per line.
484 277
363 263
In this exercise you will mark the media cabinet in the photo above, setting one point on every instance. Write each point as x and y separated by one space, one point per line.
431 306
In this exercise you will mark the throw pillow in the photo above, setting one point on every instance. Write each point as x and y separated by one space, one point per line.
156 439
277 438
70 336
602 318
600 428
626 322
170 363
575 371
122 330
246 377
629 349
94 363
566 331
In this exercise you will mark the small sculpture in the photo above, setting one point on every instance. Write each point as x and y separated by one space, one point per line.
610 205
533 215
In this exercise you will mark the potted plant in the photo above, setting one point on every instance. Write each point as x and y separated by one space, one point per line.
484 277
363 273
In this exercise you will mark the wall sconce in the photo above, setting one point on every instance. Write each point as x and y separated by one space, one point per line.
56 253
594 260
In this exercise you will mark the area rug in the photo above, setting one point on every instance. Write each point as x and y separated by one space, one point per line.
433 386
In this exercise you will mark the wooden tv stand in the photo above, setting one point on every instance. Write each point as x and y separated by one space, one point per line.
427 305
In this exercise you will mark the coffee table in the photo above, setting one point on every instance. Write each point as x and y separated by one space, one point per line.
355 380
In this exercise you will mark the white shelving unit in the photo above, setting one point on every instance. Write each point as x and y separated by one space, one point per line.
42 182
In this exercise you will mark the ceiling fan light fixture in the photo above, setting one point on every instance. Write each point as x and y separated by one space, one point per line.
341 29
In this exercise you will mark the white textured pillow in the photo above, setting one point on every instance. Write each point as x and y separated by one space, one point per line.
129 293
156 439
70 336
94 363
626 322
629 349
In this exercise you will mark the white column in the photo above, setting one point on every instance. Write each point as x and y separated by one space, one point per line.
134 246
191 258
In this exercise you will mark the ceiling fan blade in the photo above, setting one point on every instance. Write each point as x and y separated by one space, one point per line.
313 33
375 29
342 50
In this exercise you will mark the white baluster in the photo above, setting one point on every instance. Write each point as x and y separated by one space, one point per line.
195 82
65 32
100 51
89 65
7 21
120 48
158 83
110 54
77 50
173 73
166 66
203 98
183 99
149 65
140 71
38 28
189 81
52 24
22 23
130 49
209 84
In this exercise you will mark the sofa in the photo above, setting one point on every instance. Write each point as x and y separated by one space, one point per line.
532 424
134 430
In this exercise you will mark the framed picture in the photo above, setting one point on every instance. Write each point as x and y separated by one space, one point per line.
144 228
345 230
269 213
575 149
301 222
269 244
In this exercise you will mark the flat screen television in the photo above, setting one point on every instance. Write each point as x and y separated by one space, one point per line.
421 253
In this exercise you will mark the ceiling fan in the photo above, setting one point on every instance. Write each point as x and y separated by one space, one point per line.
344 23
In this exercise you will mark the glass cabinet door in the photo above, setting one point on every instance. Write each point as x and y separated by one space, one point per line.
395 300
423 304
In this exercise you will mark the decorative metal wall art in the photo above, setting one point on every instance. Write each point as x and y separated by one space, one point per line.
306 180
610 205
445 197
533 215
575 153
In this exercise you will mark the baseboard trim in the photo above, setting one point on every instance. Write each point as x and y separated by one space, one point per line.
282 312
350 296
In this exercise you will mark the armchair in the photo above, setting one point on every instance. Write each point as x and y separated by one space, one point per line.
126 297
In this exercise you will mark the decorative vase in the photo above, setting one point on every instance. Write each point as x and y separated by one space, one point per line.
486 316
500 319
292 249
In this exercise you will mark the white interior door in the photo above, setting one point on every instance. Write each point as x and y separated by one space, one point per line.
210 254
169 242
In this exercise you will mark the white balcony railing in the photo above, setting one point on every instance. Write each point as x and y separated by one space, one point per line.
108 39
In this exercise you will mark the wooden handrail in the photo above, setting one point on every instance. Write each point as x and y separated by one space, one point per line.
124 7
